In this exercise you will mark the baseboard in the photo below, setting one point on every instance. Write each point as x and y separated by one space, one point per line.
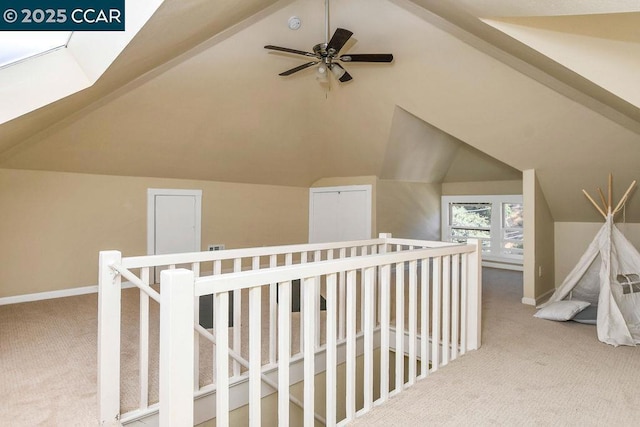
503 265
538 300
62 293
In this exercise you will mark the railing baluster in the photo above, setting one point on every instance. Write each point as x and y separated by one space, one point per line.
143 361
317 257
284 349
463 303
350 397
413 319
385 313
303 260
309 350
368 326
195 267
435 314
363 252
376 309
273 312
342 299
455 304
217 269
399 327
255 355
237 318
446 308
331 371
425 289
221 312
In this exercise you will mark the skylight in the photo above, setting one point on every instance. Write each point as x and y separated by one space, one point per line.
16 46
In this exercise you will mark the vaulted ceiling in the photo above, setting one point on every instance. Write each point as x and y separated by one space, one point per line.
542 85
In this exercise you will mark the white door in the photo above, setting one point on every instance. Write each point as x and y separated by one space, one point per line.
175 227
173 222
339 213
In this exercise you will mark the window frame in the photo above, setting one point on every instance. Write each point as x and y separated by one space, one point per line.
496 251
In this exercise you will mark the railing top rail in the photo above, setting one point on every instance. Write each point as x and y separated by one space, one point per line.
232 281
415 242
189 257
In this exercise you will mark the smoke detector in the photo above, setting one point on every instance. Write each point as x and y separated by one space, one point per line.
294 23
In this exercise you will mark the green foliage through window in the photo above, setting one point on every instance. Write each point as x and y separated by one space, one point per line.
497 221
471 215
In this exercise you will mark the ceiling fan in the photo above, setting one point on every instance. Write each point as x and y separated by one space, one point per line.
326 55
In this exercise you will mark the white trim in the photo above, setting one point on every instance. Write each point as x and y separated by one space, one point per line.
61 293
368 194
539 299
43 79
151 218
496 202
39 296
503 265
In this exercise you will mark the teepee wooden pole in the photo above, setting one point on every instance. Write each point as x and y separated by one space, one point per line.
604 203
594 203
624 198
610 193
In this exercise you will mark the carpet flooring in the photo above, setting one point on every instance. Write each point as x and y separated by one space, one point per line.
528 372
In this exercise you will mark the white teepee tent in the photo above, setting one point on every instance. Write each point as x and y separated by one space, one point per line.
608 275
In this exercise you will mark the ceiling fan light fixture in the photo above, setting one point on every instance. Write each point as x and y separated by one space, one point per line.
321 73
338 71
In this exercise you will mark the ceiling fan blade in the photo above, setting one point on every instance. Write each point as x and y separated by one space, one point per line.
340 37
298 68
286 49
341 74
367 57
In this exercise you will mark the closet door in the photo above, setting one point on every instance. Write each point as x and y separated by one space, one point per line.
339 213
176 224
173 222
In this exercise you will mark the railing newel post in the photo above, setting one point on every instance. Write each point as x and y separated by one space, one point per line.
474 296
109 307
176 347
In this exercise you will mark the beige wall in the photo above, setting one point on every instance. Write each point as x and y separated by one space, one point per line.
54 224
409 209
539 239
481 187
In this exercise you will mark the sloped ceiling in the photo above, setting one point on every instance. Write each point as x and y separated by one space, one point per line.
196 96
420 152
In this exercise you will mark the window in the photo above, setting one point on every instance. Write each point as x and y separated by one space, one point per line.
497 221
16 46
470 220
512 230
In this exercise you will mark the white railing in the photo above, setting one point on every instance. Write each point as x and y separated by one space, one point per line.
440 284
